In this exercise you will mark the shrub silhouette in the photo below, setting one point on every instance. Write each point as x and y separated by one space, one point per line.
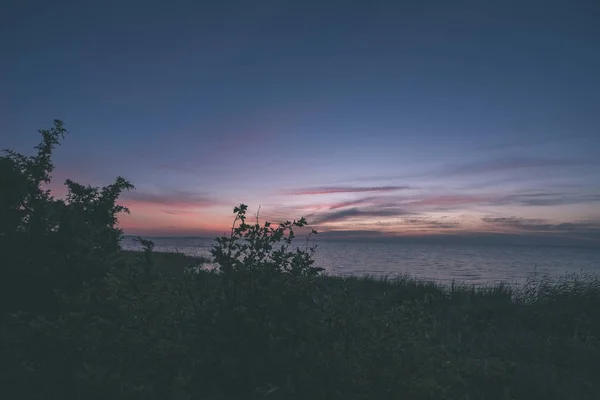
49 244
253 255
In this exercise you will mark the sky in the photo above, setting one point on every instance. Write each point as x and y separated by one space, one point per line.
371 119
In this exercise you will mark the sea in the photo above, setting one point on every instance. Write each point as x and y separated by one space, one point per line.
444 263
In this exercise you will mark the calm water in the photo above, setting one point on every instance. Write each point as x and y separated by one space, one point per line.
476 264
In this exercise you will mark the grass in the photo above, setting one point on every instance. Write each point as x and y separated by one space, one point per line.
173 336
168 264
535 341
540 339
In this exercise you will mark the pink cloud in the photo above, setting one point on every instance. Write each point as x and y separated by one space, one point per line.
174 200
171 213
155 218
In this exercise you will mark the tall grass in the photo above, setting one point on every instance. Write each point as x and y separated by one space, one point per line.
173 335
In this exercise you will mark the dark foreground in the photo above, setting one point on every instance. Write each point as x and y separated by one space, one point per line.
165 334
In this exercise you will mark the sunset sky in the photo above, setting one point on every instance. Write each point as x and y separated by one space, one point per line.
388 118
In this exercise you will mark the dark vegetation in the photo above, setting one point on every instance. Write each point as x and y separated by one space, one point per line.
81 319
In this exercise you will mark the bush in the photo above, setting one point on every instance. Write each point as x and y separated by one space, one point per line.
50 244
253 255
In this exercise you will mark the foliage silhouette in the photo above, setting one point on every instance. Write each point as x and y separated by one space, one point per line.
253 255
50 244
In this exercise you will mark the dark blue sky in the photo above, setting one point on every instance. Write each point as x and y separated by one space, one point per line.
421 118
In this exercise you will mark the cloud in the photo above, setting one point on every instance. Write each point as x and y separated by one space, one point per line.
517 231
426 223
540 225
349 234
455 200
459 201
347 189
517 223
353 213
555 199
395 205
366 200
176 212
174 199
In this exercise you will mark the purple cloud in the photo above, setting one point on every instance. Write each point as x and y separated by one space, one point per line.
555 199
347 189
351 213
366 200
426 223
540 225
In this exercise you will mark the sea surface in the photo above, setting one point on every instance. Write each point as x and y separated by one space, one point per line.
472 264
